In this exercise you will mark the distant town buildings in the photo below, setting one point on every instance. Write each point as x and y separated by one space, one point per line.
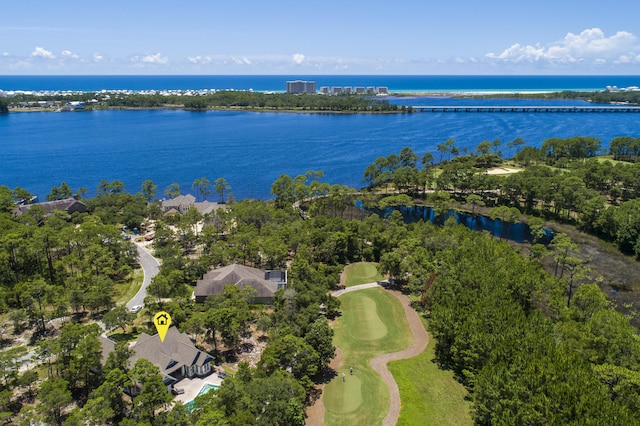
300 86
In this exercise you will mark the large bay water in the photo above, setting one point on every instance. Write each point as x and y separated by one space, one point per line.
250 150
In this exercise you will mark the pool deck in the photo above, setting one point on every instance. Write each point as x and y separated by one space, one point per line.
193 386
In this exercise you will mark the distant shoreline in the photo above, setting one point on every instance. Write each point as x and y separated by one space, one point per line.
391 95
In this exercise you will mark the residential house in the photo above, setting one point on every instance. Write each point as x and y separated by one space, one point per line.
265 283
70 205
176 356
182 203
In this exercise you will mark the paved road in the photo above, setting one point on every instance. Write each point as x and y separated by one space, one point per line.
150 267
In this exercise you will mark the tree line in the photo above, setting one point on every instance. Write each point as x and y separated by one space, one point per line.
600 97
564 180
229 99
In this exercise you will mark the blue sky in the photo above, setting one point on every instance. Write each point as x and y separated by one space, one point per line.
319 37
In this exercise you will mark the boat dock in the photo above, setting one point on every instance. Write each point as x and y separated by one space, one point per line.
526 108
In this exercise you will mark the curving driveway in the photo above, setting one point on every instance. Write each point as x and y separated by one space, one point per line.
150 267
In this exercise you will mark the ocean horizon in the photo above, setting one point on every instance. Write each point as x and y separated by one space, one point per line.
277 83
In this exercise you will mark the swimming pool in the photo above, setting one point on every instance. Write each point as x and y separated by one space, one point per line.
204 389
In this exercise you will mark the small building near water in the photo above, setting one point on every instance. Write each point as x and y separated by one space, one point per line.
70 205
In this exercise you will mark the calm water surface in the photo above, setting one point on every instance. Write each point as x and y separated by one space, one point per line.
250 150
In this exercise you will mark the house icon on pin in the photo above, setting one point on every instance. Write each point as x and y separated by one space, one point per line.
162 319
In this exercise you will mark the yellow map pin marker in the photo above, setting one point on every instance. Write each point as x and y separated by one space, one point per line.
162 320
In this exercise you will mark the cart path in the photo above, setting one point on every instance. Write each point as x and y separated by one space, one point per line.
315 413
379 363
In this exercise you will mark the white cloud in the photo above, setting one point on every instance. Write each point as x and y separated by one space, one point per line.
201 60
41 52
154 59
241 61
97 57
629 59
591 47
298 58
69 54
5 53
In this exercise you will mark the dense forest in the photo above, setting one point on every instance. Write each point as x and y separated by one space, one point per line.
527 330
239 99
563 180
600 97
225 100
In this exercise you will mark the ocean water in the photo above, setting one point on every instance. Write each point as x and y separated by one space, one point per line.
39 150
396 83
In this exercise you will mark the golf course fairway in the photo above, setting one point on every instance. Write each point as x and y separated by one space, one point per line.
373 322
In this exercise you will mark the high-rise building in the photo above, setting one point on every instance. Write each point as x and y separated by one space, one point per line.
300 86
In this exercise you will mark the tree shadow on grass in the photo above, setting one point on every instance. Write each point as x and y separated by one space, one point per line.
325 375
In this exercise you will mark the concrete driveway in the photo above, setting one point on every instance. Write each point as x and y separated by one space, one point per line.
151 267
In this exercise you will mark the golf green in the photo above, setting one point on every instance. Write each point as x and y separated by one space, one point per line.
369 326
373 322
362 273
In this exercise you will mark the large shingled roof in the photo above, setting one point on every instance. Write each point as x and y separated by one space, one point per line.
213 282
176 350
68 204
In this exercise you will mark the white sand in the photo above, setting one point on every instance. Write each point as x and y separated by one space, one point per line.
503 171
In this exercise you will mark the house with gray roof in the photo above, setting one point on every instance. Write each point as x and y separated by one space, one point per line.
265 283
69 205
176 356
207 207
182 203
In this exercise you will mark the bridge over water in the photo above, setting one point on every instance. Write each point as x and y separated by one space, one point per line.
527 108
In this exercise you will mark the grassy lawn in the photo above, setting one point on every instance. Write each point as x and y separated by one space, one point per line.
372 322
125 291
429 396
603 158
362 273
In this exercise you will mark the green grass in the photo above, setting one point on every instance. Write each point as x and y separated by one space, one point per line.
373 322
429 395
603 158
362 273
125 291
